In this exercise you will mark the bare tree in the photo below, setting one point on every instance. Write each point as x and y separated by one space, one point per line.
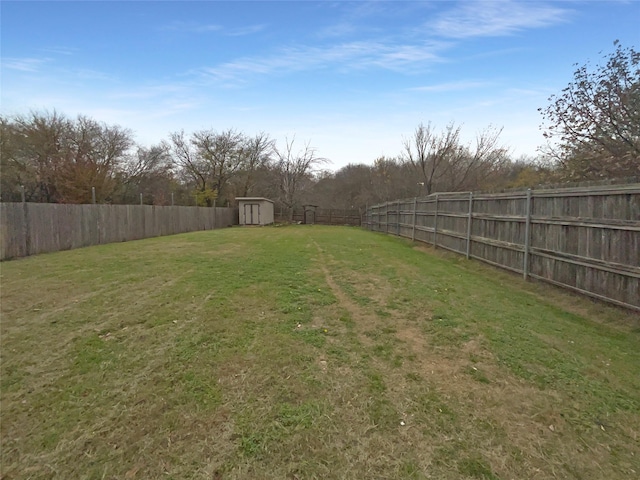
224 154
432 154
293 169
256 153
444 163
473 165
149 172
210 159
221 165
192 166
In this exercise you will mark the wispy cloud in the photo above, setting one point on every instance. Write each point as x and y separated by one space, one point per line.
27 64
59 50
199 28
192 27
89 74
35 64
350 55
496 18
147 92
241 31
452 86
341 29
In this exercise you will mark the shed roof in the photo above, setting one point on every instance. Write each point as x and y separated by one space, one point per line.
253 199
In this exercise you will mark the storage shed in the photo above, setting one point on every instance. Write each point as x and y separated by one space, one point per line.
255 211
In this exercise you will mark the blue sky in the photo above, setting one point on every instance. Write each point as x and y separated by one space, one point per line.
352 78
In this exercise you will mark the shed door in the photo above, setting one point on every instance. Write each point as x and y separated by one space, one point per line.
252 214
309 217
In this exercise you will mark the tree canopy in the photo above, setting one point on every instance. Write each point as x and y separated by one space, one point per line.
596 119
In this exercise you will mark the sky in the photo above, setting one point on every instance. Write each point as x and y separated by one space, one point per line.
351 79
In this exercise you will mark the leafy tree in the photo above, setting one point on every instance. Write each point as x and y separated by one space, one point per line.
596 119
30 152
59 160
92 154
527 172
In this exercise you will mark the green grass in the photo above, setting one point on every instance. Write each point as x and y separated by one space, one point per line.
307 352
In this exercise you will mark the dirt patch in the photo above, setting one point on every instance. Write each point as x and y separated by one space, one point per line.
362 319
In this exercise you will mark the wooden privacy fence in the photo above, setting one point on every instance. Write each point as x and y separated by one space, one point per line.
32 228
324 216
584 239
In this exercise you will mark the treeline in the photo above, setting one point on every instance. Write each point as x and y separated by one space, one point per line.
593 127
53 158
48 157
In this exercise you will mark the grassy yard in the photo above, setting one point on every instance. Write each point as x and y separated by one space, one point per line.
307 352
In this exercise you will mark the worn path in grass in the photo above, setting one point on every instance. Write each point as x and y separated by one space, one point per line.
307 352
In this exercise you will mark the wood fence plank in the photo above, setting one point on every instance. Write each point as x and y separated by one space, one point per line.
585 239
32 228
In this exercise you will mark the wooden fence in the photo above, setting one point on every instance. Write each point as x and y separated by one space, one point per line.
323 216
583 239
32 228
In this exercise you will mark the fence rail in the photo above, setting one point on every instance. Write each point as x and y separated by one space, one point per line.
584 239
32 228
323 216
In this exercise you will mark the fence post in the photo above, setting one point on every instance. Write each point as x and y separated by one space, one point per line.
141 199
25 224
413 231
469 224
172 199
527 235
374 215
435 224
93 195
371 218
398 218
386 217
366 215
